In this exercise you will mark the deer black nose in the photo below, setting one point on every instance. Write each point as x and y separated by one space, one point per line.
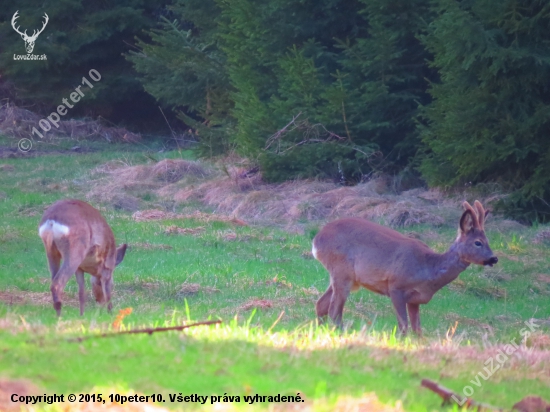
491 261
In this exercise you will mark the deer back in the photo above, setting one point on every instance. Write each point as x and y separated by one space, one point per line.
69 221
371 249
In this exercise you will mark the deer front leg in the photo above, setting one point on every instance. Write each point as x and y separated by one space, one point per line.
398 300
102 287
414 315
108 282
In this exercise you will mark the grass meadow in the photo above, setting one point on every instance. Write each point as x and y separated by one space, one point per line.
262 282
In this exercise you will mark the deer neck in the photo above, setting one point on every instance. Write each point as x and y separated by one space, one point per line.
448 266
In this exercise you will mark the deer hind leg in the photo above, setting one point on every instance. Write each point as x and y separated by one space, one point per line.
71 261
81 290
414 315
398 300
341 287
54 260
323 304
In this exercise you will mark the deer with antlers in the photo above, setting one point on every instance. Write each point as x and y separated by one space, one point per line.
29 40
358 253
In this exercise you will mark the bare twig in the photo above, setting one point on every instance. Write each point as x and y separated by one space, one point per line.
345 120
166 120
279 133
451 397
276 321
312 133
149 331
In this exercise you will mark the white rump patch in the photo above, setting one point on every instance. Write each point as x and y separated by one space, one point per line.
56 228
314 251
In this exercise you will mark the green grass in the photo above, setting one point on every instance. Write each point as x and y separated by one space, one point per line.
253 351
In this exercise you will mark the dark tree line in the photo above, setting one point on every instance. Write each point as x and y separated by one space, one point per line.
80 35
456 92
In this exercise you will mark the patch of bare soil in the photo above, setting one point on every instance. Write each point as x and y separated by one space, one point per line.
281 303
20 387
257 303
34 298
151 246
189 289
532 404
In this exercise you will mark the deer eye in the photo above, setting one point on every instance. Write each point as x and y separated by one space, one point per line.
477 243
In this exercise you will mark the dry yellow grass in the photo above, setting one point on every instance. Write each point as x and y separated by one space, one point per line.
18 122
175 230
120 185
155 214
236 195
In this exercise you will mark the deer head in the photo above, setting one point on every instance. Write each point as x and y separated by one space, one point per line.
473 246
29 40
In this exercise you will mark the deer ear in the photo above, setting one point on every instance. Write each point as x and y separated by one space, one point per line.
120 252
465 225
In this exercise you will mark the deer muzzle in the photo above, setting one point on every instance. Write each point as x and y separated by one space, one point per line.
491 261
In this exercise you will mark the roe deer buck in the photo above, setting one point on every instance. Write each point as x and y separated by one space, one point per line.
76 232
357 253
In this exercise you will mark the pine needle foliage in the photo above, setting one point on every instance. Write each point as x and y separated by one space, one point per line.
490 116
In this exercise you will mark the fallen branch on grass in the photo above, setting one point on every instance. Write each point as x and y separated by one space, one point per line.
452 397
149 331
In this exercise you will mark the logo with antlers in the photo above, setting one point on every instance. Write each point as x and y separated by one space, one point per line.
29 40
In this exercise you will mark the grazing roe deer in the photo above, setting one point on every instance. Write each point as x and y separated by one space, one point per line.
75 232
357 253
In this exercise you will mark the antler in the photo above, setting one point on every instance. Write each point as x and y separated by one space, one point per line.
476 221
480 213
35 33
15 17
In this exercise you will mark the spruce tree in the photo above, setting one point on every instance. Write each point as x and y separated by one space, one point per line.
183 67
490 117
354 68
79 36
